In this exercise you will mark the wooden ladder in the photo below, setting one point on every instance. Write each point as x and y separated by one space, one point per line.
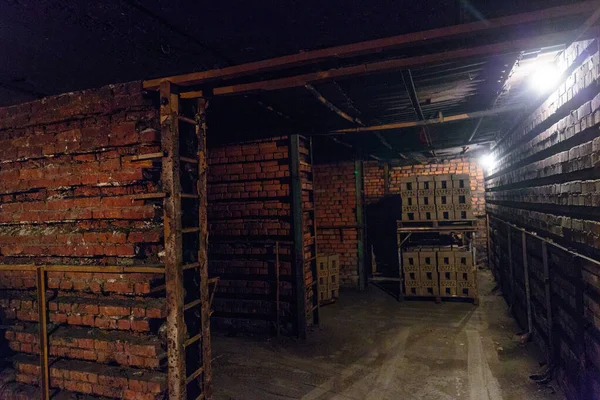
183 177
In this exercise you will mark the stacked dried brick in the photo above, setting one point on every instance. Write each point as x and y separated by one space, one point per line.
335 191
249 212
547 180
68 187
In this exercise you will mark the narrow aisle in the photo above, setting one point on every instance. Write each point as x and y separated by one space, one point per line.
372 347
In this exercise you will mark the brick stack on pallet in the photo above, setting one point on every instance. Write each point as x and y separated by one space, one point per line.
436 197
445 271
329 278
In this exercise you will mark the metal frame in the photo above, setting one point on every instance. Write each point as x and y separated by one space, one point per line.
298 247
577 258
360 220
468 230
40 271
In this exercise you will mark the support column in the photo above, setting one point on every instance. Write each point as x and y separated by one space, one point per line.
203 249
360 219
526 275
510 267
297 226
548 295
43 333
169 129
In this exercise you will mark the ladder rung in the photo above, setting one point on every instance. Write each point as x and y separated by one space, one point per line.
192 304
192 340
194 375
149 196
190 230
158 288
148 156
190 266
189 196
186 119
191 95
188 160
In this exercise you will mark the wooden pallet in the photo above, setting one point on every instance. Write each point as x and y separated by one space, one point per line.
460 223
438 299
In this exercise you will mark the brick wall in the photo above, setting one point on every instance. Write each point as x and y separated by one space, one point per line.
68 196
249 211
335 202
547 181
335 192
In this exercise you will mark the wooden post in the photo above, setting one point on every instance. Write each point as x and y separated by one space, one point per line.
548 295
360 225
526 275
203 249
297 225
43 333
581 322
488 243
510 267
277 287
169 129
315 269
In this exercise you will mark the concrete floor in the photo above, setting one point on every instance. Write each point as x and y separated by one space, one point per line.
371 347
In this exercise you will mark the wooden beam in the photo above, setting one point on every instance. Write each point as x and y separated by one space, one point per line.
175 332
394 64
439 120
372 46
202 191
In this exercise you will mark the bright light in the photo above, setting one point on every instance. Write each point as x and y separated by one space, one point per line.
487 161
544 77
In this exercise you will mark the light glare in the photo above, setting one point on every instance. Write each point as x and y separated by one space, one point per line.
487 161
544 78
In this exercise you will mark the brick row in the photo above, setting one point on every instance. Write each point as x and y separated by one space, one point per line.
106 347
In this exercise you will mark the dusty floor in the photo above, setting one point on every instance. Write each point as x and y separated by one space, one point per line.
371 347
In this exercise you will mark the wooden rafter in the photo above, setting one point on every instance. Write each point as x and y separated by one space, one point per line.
372 46
394 64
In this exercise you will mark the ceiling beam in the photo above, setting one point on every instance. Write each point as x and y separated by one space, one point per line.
395 64
371 46
332 106
409 84
434 121
339 112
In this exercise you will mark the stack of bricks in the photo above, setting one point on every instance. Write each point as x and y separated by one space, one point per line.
249 211
337 233
446 271
546 180
440 197
69 183
419 267
328 268
335 192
